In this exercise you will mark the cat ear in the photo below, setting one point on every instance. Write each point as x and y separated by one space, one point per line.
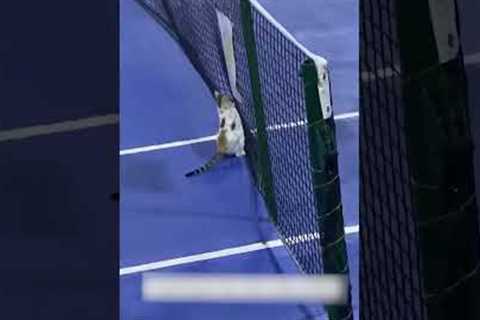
218 97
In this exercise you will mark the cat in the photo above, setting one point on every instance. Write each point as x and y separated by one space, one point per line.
230 137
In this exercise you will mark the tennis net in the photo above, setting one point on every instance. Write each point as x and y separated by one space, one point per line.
418 217
282 93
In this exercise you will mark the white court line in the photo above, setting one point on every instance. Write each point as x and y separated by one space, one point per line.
469 60
59 127
175 144
472 59
168 145
222 253
342 116
346 115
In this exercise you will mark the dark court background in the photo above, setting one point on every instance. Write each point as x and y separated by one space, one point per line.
58 223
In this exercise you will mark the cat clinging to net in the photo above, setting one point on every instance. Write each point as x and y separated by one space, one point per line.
230 136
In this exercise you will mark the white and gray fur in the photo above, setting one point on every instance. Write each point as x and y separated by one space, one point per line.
230 137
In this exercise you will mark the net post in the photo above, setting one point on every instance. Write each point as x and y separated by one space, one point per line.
265 177
326 184
440 158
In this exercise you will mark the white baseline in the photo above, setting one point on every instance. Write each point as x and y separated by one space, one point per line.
182 143
210 255
58 127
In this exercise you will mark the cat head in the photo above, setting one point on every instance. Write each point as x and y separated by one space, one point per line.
224 102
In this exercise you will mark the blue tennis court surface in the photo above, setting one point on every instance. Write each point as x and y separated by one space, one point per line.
170 220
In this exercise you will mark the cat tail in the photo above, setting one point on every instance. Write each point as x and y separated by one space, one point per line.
207 166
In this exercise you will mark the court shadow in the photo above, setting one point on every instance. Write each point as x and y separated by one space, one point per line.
145 174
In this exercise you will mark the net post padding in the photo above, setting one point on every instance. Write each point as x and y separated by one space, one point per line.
440 156
326 184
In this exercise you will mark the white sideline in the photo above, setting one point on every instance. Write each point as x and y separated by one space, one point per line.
181 143
469 60
221 253
472 59
59 127
245 288
168 145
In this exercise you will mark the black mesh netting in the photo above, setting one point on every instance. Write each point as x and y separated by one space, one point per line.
418 219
